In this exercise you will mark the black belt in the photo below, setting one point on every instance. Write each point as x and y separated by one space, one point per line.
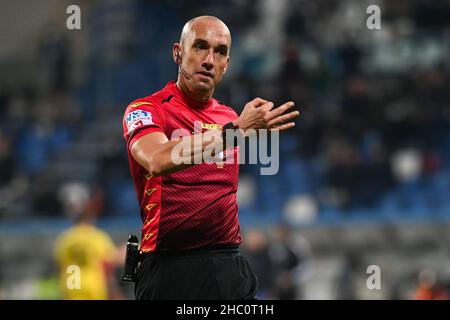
219 249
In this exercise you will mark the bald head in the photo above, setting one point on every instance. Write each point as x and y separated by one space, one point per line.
202 54
210 22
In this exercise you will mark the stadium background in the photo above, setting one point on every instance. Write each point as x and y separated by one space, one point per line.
364 178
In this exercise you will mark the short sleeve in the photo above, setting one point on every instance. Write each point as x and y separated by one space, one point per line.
141 118
106 247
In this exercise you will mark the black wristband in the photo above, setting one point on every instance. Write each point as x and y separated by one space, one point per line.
229 126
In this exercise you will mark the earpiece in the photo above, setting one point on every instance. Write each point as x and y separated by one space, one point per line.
178 58
177 54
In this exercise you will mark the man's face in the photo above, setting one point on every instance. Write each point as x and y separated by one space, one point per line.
205 55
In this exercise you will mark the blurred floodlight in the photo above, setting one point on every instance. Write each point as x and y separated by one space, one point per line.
406 164
301 209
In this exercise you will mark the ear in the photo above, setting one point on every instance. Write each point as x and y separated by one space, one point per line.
226 66
176 52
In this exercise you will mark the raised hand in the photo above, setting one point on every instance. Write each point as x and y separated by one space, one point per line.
259 114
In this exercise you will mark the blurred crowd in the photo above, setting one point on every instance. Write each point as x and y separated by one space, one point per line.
372 141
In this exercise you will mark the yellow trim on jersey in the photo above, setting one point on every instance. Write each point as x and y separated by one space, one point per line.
137 104
148 236
149 191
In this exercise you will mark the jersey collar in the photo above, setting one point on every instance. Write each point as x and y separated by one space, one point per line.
172 86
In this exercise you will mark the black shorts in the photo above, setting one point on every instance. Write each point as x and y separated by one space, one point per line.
215 274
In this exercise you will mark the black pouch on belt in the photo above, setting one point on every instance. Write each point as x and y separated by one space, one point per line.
132 258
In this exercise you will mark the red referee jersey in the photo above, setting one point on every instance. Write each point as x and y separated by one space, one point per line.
194 207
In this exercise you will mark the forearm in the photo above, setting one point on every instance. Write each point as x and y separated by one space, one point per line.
176 155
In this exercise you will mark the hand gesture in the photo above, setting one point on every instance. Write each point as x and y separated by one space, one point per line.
259 114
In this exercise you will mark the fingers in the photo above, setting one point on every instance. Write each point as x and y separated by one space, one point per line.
267 106
260 114
257 102
280 110
283 127
283 118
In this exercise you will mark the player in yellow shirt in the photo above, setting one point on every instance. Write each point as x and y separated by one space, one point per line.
86 256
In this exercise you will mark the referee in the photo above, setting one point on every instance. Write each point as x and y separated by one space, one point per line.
190 232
